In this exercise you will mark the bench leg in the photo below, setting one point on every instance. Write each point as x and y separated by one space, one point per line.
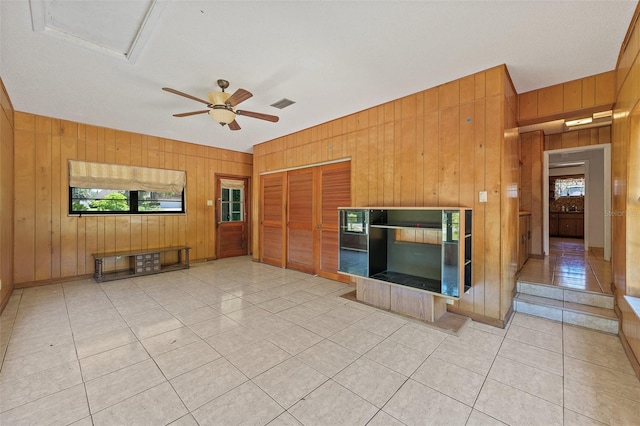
98 269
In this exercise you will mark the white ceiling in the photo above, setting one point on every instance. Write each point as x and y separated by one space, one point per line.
332 58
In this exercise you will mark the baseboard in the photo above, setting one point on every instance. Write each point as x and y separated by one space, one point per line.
481 318
627 349
3 303
52 281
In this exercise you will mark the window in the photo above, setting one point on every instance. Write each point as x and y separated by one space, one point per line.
569 187
113 201
100 188
231 203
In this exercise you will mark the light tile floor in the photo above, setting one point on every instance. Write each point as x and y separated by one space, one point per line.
237 342
569 266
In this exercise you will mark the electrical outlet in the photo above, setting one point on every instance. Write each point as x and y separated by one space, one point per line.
482 196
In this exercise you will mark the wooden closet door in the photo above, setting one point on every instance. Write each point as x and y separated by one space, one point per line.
335 181
301 223
273 190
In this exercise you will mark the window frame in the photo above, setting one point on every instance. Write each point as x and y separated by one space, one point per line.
133 206
230 203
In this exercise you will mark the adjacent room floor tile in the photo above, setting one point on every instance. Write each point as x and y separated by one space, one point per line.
246 404
291 351
112 388
332 404
542 384
158 405
63 407
397 357
290 381
456 382
185 358
203 384
327 357
112 360
513 406
371 381
415 402
258 358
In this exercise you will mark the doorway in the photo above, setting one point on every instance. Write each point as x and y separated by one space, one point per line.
597 201
232 216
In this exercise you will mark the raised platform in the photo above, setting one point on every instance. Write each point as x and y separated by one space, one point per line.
582 308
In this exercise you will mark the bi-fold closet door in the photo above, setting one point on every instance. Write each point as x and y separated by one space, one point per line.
299 217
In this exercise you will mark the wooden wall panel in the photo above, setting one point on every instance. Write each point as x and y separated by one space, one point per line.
531 152
7 136
578 138
51 245
626 187
437 147
569 99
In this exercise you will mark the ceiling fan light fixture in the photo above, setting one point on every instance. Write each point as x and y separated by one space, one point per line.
222 114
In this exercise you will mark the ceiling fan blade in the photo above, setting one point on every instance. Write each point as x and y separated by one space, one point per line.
186 114
238 96
177 92
234 125
259 115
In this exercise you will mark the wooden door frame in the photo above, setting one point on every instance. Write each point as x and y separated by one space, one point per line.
218 197
606 149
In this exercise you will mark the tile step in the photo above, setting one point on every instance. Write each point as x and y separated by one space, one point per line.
582 297
592 317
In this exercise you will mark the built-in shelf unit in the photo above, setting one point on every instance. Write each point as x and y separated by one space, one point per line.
409 252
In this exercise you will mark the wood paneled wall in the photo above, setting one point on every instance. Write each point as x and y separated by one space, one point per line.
625 151
50 244
566 100
438 147
6 196
531 149
578 138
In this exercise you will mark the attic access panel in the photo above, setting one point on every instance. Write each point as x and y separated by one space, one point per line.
116 28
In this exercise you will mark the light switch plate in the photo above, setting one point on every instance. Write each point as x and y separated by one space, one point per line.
482 196
209 202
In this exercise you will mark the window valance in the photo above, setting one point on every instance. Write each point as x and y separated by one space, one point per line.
232 183
83 174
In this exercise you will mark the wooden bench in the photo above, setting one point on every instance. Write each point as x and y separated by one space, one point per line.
141 262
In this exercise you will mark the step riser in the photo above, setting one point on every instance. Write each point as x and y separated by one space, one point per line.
593 322
566 295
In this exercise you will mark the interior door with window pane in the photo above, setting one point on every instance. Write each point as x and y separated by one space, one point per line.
232 220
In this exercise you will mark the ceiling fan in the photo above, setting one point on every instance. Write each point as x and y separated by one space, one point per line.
221 106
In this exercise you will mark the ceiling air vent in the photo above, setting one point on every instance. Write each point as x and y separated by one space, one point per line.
283 103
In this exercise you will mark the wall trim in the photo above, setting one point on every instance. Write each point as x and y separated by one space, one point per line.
306 166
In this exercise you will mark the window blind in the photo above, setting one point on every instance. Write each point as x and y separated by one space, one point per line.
83 174
232 183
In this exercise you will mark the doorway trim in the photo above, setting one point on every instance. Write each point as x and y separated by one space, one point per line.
607 195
